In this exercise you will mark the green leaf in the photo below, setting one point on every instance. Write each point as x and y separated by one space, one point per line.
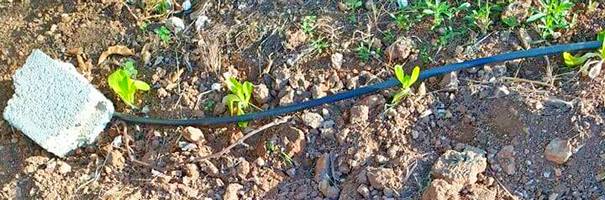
414 77
141 85
536 17
124 86
248 88
399 74
230 101
601 36
573 61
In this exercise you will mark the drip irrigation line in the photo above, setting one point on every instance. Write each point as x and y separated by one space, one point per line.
391 82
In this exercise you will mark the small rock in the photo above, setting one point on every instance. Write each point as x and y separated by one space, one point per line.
363 191
370 5
294 140
116 159
399 50
64 168
186 5
231 191
288 98
186 146
450 81
322 167
260 162
421 89
481 192
295 38
558 151
201 22
507 160
317 92
381 178
175 24
261 94
327 190
359 114
193 134
440 190
312 120
460 168
243 168
191 171
337 60
209 168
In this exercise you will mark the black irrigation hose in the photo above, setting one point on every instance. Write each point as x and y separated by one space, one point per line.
392 82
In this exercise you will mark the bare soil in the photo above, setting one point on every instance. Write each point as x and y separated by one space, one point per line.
355 154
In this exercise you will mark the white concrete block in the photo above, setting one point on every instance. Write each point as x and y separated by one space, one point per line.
56 106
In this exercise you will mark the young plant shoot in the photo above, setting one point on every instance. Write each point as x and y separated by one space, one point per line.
122 82
239 99
406 82
591 62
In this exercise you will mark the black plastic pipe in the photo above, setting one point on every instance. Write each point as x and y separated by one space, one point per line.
392 82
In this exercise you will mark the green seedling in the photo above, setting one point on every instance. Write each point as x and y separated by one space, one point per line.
364 52
591 63
319 45
406 82
163 33
162 7
354 4
388 37
122 82
402 20
510 22
552 16
481 17
441 10
308 24
272 148
239 99
449 34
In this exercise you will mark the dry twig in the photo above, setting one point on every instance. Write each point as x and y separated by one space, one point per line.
241 140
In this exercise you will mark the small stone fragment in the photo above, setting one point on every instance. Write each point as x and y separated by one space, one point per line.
400 50
381 178
460 168
312 120
322 167
116 159
261 94
440 190
231 191
450 81
360 114
64 168
337 60
175 24
507 160
243 168
193 134
558 151
363 191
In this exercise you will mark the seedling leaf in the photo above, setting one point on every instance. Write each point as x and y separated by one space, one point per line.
536 17
121 82
239 99
574 61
